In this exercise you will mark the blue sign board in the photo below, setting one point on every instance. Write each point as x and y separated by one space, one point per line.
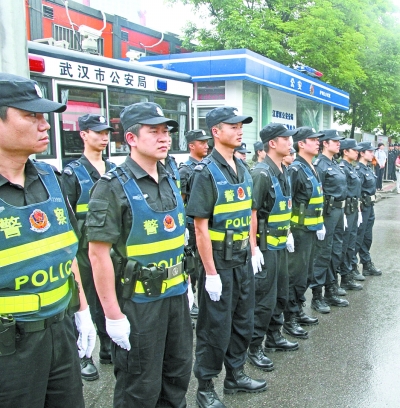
247 65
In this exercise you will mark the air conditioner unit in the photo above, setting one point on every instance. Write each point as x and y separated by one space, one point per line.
48 41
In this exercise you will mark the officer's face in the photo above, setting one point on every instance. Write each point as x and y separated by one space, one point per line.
332 146
352 154
95 141
241 156
24 133
152 142
282 145
199 148
229 134
368 155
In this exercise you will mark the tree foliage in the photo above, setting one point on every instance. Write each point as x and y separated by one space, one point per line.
355 43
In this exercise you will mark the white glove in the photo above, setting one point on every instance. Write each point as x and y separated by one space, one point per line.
186 236
190 295
290 243
214 287
359 219
321 233
344 221
257 260
119 331
87 333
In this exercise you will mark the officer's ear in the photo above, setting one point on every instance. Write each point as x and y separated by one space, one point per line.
131 139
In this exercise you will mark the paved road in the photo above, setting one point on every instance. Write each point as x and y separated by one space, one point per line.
351 359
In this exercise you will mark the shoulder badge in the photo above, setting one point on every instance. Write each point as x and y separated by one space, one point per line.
316 161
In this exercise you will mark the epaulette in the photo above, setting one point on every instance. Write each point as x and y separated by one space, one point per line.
341 164
316 161
293 167
68 171
200 166
358 167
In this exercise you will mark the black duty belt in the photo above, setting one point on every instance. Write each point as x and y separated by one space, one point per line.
30 327
273 232
236 246
339 204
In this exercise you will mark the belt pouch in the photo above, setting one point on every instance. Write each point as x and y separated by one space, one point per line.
7 336
152 279
228 250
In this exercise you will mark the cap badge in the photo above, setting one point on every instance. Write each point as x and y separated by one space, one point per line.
38 91
102 119
159 111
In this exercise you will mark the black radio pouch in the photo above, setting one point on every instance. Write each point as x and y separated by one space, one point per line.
7 335
74 303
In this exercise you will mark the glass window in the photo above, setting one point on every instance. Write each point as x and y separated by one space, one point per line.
210 90
79 101
308 113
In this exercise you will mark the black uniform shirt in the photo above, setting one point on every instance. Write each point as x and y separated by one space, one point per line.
353 181
71 182
203 191
332 177
263 191
185 172
302 187
367 178
110 215
33 191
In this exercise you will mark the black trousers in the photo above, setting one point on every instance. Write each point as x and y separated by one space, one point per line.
272 294
364 236
156 371
379 174
224 328
349 244
96 310
44 371
328 252
300 266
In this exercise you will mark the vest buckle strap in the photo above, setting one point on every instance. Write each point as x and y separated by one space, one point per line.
173 271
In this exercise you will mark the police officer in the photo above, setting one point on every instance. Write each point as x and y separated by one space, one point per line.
306 226
349 153
198 147
136 209
39 239
391 168
240 152
79 177
221 209
271 211
368 190
259 152
328 252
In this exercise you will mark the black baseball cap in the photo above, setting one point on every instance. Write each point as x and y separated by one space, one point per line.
363 146
93 122
292 151
241 149
258 146
273 130
196 134
349 144
23 93
144 113
225 114
306 132
330 134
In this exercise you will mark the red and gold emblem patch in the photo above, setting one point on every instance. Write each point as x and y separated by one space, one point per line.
39 221
241 194
169 223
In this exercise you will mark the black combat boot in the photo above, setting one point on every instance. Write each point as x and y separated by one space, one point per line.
304 319
318 303
369 269
292 327
88 369
105 350
348 283
338 290
194 311
237 381
206 396
276 342
332 299
256 356
357 276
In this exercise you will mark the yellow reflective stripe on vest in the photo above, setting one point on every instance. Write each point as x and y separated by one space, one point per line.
220 236
168 283
317 200
31 303
232 207
159 246
38 248
275 241
308 221
279 217
81 208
